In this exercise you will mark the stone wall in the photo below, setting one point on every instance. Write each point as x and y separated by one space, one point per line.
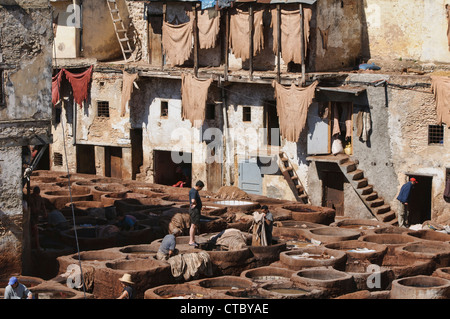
404 29
25 46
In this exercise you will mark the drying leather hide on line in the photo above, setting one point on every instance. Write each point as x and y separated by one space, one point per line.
441 90
208 27
80 84
290 34
127 89
194 93
240 33
177 42
292 108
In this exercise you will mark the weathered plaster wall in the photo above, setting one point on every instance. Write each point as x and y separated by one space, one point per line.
11 231
412 153
26 49
398 143
415 30
25 44
343 21
165 134
99 39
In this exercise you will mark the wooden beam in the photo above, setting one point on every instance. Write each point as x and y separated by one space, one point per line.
227 43
279 43
196 42
164 9
250 25
302 41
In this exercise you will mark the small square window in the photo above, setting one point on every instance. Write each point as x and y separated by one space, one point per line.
210 111
57 159
102 108
164 109
435 134
246 114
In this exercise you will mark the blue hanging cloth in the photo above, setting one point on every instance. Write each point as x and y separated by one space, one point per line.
208 4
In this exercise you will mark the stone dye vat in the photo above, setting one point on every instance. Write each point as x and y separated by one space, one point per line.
331 281
267 273
231 285
309 257
59 198
331 234
312 214
288 290
366 226
433 235
183 291
360 254
420 287
439 252
145 273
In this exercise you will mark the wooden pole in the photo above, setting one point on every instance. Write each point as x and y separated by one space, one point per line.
162 45
227 44
196 43
250 25
279 43
302 46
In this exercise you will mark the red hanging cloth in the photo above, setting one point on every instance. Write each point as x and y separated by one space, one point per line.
80 84
56 84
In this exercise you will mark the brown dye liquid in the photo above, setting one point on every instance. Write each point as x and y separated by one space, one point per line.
289 291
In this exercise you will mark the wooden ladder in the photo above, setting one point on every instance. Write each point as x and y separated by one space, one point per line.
290 175
120 30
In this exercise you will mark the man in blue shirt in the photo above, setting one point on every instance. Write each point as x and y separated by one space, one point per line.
167 248
403 198
16 290
195 208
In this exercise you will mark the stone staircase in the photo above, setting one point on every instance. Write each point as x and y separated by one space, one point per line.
375 203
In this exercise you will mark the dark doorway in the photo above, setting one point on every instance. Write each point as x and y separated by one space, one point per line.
44 160
137 154
166 171
332 186
271 123
213 170
420 200
113 162
86 159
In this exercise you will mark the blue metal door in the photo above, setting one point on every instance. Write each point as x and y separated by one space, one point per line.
250 179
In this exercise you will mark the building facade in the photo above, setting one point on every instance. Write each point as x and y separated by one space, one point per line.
385 118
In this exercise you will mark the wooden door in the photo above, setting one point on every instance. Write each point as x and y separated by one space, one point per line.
155 39
116 162
213 171
333 192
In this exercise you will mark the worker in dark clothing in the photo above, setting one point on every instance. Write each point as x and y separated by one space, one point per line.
403 198
195 208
